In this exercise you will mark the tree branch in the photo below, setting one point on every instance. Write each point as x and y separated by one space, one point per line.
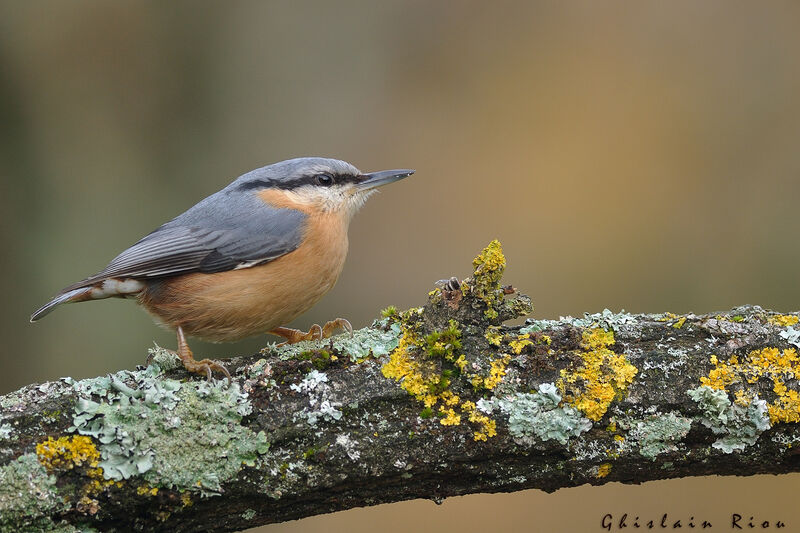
433 402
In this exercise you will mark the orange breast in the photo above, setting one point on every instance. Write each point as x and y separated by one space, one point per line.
231 305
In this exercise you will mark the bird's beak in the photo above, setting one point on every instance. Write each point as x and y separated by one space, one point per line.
376 179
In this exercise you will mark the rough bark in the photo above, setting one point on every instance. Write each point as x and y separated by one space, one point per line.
462 405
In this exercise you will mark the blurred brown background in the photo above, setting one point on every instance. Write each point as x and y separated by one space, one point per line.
639 155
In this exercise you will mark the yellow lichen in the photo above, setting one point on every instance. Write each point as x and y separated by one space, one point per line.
420 363
68 453
421 378
603 470
619 438
488 427
679 324
719 377
784 320
448 398
496 372
743 398
464 287
87 505
667 317
520 342
415 375
65 453
488 270
602 376
493 335
769 363
450 418
144 490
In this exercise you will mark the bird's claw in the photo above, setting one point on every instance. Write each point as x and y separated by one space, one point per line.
206 366
333 325
315 333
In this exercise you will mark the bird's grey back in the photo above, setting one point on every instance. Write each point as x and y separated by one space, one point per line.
231 228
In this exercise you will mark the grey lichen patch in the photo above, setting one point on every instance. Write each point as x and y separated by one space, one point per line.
621 322
259 369
789 441
283 472
5 431
607 320
738 425
181 435
321 404
659 434
28 496
32 396
791 335
363 343
349 445
163 358
12 399
671 360
538 415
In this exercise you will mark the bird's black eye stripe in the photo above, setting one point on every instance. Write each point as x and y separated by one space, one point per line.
324 179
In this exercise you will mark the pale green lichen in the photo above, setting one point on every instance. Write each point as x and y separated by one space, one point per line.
186 436
535 326
28 496
607 320
659 434
5 431
538 415
738 425
363 343
791 335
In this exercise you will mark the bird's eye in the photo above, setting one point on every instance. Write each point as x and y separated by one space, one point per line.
326 180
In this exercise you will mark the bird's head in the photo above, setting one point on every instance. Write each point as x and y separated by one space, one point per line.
317 184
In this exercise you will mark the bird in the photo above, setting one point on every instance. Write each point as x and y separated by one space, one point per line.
246 260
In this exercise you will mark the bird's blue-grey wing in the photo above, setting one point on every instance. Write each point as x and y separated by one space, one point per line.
220 233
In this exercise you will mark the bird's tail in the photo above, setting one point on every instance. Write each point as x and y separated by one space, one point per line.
92 289
76 295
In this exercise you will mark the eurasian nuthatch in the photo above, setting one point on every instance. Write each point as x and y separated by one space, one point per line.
245 260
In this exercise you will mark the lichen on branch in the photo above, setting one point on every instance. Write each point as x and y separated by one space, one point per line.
437 400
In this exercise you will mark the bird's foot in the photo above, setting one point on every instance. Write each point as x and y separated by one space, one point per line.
316 332
333 325
204 366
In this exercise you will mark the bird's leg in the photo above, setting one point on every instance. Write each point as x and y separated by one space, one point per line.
314 334
204 367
